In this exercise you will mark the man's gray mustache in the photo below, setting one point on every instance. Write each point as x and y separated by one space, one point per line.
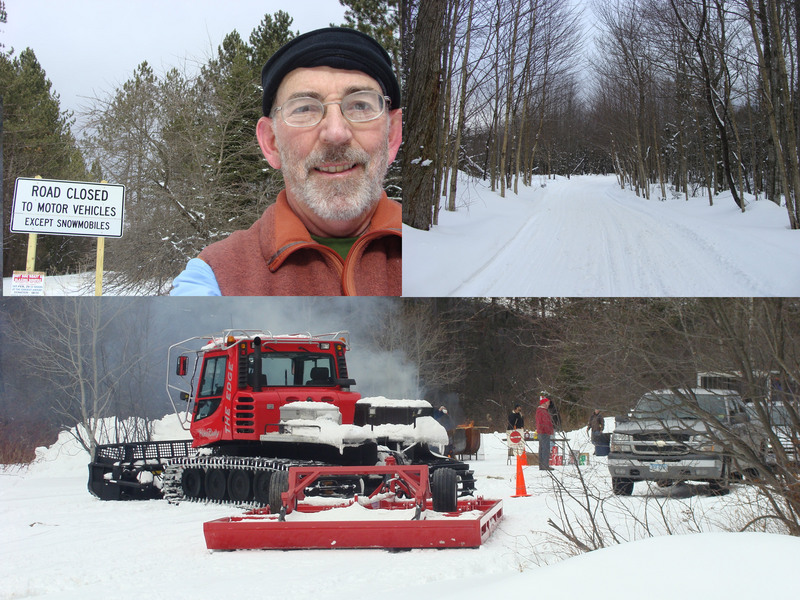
337 155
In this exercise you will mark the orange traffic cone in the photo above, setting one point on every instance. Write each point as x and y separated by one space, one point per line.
521 491
524 458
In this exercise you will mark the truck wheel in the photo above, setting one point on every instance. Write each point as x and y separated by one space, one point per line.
444 490
192 483
239 487
278 483
621 487
261 487
216 483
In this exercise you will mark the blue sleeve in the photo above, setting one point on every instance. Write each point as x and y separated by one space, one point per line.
197 279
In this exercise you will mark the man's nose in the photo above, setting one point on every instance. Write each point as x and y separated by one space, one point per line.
335 129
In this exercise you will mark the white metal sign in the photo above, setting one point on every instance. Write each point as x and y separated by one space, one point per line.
67 207
30 283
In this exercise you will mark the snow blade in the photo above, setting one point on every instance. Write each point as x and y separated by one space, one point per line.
397 515
468 527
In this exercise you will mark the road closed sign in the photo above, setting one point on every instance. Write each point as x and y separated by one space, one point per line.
516 443
67 208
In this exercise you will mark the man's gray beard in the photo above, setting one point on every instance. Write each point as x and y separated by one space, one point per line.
337 200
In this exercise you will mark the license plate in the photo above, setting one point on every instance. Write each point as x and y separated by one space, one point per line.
658 467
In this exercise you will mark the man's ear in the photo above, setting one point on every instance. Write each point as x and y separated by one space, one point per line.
267 142
395 132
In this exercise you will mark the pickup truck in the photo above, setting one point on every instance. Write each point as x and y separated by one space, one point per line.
679 436
779 423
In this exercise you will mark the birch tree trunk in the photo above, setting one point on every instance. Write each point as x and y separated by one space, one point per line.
462 107
509 101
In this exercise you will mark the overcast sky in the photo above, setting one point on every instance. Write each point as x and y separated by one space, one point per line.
89 47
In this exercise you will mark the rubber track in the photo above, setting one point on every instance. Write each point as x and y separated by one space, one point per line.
172 490
171 476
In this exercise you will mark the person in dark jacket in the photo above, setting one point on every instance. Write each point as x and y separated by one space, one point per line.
544 429
596 425
595 430
555 415
515 418
445 420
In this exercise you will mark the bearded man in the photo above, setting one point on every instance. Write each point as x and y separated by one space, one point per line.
332 126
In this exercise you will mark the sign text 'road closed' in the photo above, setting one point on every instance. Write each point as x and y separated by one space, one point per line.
67 208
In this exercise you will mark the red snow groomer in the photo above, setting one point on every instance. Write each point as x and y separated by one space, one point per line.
264 403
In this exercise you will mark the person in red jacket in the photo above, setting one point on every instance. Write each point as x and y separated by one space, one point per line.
544 429
332 124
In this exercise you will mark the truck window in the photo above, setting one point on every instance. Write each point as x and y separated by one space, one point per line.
296 369
670 406
713 404
213 380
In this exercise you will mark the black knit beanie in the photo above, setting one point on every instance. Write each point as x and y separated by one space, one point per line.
336 47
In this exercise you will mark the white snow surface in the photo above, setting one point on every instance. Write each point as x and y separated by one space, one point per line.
325 425
58 541
585 236
384 402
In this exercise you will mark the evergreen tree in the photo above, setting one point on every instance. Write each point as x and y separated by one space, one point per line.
378 18
571 387
234 98
272 33
3 18
233 82
37 141
186 149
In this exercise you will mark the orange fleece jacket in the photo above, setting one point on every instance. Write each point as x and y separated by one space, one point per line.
278 257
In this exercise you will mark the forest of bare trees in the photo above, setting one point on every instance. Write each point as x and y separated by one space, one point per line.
676 97
477 356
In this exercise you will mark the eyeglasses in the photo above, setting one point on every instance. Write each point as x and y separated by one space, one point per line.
358 107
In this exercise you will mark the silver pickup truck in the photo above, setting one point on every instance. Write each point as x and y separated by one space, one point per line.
779 423
670 437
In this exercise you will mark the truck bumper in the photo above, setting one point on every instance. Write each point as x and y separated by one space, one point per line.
654 469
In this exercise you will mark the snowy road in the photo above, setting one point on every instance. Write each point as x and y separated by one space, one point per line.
587 237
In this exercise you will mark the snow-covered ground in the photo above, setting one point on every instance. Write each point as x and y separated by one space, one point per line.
587 237
60 542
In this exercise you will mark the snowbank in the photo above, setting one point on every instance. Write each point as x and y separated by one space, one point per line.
708 565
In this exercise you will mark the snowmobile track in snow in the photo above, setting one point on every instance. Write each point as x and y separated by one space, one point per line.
585 238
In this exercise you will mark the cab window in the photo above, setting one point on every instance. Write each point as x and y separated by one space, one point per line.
297 369
213 381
